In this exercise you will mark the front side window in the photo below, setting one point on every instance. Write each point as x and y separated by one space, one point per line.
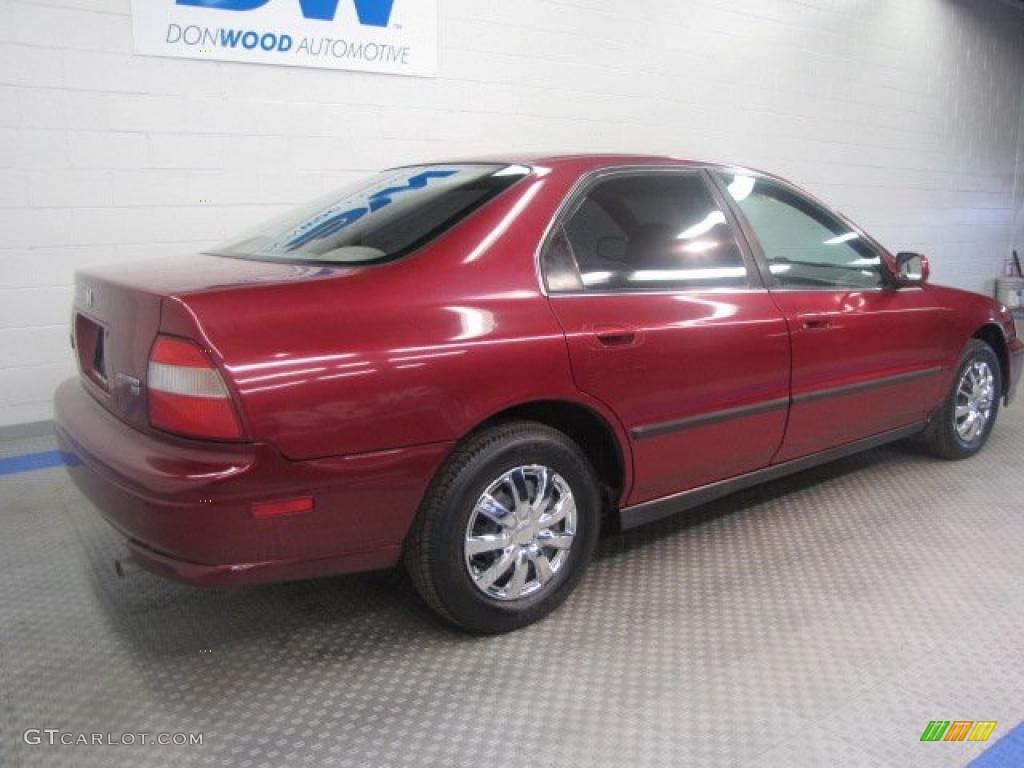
805 245
655 231
380 219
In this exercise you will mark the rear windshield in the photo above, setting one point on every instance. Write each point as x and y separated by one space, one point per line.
379 219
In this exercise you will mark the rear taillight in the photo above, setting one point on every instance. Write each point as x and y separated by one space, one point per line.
187 394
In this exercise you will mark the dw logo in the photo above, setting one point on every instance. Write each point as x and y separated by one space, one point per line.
371 13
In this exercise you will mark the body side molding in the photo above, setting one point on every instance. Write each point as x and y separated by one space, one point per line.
705 419
714 417
860 386
655 509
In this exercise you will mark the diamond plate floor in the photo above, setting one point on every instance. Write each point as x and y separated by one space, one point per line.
823 619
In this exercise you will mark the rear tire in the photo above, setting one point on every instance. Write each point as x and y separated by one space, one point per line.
506 529
963 424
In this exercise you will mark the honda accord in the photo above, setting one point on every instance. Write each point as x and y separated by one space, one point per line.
469 366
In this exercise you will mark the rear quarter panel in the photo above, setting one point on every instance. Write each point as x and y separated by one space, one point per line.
414 352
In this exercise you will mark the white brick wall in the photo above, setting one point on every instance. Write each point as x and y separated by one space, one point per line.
908 114
1018 187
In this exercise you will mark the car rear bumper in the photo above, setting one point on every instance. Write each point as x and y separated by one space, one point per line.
186 506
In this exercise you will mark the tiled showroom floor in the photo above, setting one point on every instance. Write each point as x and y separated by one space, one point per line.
824 619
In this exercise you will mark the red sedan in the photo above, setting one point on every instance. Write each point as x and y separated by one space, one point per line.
468 365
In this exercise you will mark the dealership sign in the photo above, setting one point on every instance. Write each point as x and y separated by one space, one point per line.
395 36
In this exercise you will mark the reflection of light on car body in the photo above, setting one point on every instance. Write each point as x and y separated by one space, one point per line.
280 362
475 322
507 221
283 375
719 309
426 356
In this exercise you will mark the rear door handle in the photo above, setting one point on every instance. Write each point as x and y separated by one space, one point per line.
817 323
615 335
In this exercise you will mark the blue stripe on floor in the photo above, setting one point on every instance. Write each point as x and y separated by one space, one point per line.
29 462
1008 752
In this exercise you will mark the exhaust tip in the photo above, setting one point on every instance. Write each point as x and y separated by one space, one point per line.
124 566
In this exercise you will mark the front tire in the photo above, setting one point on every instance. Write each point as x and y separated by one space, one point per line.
506 529
962 426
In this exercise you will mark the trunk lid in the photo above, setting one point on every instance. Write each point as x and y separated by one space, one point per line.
117 315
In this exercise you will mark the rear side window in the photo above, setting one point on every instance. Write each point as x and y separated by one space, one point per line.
805 245
381 219
655 231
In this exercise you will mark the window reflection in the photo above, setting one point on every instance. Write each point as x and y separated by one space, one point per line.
741 186
843 238
806 245
677 275
647 232
709 222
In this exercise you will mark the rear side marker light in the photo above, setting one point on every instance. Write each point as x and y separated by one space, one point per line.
187 395
282 507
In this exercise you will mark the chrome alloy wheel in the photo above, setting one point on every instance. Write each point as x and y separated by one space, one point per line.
520 532
975 396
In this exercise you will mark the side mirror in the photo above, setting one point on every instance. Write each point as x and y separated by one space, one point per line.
911 268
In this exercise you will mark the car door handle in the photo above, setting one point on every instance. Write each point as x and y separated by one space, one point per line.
817 323
615 335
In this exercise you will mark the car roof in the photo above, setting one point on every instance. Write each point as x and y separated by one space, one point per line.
582 162
577 161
